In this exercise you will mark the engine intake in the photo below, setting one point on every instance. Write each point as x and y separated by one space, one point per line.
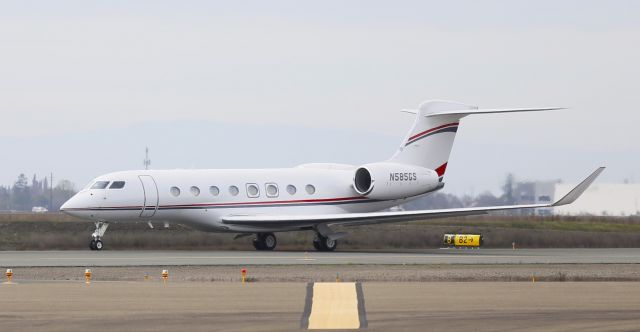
387 181
362 181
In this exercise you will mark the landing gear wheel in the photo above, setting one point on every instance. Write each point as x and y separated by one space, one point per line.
270 241
96 242
330 245
265 241
257 244
322 243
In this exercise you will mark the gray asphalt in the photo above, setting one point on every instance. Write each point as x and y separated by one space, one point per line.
428 256
263 306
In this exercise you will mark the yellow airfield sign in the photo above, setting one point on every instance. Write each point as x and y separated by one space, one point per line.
463 240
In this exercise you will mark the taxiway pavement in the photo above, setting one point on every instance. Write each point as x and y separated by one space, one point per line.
427 256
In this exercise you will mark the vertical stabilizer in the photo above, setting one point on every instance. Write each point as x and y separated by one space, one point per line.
430 140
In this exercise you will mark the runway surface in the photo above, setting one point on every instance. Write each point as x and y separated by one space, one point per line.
232 306
430 256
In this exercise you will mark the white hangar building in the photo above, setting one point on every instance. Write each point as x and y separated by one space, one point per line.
611 199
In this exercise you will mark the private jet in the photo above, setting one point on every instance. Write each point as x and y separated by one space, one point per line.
310 197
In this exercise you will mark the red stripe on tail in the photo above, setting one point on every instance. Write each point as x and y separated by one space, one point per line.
440 170
432 129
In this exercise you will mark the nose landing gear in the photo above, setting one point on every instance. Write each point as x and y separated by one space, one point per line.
95 244
265 241
96 241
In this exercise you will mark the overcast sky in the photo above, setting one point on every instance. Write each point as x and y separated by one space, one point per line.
86 85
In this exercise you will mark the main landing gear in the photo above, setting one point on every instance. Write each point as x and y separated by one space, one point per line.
96 237
265 241
323 243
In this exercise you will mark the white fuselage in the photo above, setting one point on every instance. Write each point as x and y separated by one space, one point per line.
203 197
308 197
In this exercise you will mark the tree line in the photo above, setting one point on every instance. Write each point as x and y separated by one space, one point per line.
439 200
23 195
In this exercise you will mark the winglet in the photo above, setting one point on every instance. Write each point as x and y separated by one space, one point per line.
579 189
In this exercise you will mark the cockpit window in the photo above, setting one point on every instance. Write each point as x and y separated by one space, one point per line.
117 185
100 185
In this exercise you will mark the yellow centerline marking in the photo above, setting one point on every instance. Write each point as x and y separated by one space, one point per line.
335 306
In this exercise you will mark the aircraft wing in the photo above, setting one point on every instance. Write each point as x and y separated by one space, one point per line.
353 219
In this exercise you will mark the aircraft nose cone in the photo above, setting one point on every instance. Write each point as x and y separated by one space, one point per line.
78 206
65 207
69 205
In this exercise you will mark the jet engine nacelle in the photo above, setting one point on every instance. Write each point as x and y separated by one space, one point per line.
394 181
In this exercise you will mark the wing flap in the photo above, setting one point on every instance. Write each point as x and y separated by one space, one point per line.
361 218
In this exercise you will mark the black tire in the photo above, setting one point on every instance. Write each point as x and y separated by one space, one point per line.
257 244
269 241
265 241
92 245
322 243
329 245
99 245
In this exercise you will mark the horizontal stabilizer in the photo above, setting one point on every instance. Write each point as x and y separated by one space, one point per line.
492 110
465 112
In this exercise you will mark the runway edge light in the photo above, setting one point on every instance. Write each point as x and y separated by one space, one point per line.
165 276
87 276
9 275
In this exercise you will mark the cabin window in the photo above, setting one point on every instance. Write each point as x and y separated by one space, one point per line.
233 190
195 191
253 190
100 185
310 189
214 190
272 189
117 185
291 189
175 191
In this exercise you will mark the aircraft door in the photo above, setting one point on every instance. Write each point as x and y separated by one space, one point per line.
99 197
151 198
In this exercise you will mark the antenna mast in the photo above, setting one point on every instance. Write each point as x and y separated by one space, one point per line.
146 162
